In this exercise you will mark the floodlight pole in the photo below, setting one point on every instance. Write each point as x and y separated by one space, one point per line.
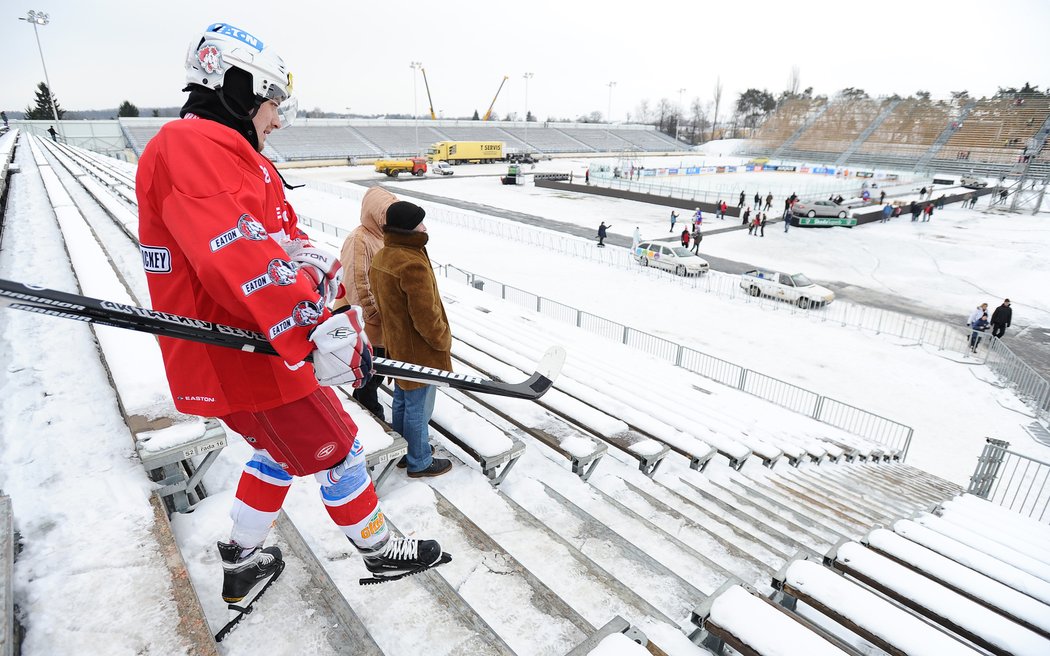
41 18
609 116
415 66
527 76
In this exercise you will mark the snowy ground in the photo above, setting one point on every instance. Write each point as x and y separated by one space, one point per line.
67 461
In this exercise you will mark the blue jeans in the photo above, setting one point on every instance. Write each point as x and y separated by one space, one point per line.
412 410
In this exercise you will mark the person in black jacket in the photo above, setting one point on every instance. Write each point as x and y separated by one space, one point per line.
603 232
1001 319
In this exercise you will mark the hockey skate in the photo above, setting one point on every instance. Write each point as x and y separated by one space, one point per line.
400 557
245 579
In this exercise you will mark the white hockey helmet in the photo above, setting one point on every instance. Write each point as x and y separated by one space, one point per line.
222 46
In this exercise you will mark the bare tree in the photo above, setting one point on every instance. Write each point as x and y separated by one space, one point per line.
718 101
793 82
642 112
664 112
698 120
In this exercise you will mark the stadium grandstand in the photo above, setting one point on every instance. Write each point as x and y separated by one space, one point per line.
1001 136
319 140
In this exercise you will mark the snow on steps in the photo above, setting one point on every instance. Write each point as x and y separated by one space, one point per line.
965 617
1006 554
803 510
975 559
873 618
804 532
972 584
741 618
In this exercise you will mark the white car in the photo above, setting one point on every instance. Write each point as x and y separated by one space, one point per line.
796 288
675 258
441 168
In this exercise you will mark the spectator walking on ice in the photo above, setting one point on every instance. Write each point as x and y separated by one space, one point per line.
603 232
1001 319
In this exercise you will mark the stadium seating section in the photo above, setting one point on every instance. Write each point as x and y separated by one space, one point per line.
986 136
327 139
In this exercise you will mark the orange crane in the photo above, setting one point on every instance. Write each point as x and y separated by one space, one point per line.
432 117
489 113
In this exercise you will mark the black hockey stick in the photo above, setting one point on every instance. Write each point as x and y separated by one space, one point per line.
49 302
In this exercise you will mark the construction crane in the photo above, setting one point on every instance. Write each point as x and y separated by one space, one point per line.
429 100
489 113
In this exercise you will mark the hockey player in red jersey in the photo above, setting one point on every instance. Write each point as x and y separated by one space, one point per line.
221 243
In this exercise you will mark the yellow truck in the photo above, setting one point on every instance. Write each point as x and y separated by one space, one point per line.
458 152
417 166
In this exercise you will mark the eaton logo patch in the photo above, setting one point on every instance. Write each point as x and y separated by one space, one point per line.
156 259
247 228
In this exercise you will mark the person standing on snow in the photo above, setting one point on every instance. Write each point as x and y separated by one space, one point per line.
747 218
979 326
356 255
636 238
1001 319
762 225
769 201
415 327
674 217
229 250
698 216
697 238
787 219
758 201
603 232
685 238
741 203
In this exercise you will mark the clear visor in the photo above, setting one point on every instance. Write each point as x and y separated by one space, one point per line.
287 106
287 111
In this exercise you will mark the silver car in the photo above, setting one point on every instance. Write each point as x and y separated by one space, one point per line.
819 208
679 259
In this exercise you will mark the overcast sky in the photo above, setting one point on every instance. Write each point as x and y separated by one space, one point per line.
358 54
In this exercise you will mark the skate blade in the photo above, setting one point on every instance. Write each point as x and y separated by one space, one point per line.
242 609
380 578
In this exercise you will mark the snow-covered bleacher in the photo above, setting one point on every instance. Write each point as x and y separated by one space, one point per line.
703 537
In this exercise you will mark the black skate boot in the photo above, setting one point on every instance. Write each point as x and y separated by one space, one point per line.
246 578
400 557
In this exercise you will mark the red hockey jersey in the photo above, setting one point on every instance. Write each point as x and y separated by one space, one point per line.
213 222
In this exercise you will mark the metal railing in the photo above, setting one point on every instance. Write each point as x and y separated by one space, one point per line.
830 411
1012 480
1029 385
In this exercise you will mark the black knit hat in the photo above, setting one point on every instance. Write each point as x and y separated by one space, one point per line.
404 215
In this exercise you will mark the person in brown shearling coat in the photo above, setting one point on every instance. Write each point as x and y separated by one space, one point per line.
415 327
358 250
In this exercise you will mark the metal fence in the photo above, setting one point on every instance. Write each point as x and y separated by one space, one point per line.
1026 382
1029 385
1012 480
798 399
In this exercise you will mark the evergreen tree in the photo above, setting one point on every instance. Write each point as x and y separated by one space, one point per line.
476 117
156 113
127 109
42 110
